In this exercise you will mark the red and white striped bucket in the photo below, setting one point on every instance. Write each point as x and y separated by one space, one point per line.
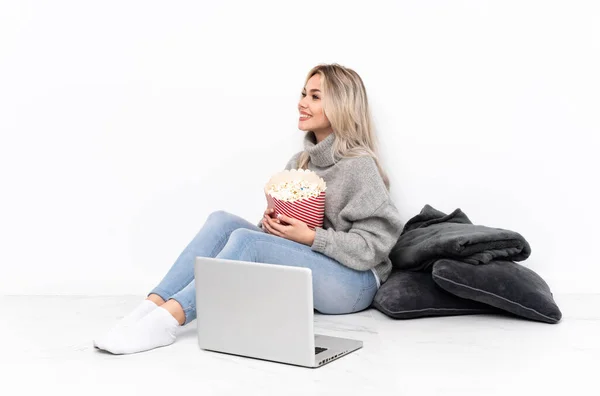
309 210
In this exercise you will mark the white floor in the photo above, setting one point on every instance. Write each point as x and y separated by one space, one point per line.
47 348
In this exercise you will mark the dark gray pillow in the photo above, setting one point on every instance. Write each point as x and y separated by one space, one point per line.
502 284
409 295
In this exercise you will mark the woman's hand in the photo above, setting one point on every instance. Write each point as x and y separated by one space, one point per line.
296 230
267 213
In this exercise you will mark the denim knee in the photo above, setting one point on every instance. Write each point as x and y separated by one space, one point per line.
221 216
218 215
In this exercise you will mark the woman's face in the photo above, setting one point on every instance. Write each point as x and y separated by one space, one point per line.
311 103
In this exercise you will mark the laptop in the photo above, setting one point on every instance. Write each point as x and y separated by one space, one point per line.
261 311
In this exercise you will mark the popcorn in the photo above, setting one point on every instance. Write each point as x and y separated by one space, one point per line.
297 193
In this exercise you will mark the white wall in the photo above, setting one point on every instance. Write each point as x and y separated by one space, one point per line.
126 123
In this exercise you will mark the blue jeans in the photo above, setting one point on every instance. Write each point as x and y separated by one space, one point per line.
337 289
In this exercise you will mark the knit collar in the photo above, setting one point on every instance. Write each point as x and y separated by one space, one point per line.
321 154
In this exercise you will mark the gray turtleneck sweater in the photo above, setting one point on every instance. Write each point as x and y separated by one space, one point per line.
361 224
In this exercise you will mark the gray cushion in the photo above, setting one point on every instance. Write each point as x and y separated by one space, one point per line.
409 295
502 284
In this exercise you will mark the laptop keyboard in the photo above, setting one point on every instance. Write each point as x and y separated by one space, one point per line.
319 350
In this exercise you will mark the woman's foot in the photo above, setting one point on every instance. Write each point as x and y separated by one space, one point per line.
139 312
158 328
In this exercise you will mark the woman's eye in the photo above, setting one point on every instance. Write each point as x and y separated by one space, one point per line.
314 96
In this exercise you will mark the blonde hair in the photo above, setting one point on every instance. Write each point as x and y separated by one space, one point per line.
345 105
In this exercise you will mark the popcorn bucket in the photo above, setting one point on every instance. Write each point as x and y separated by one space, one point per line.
305 203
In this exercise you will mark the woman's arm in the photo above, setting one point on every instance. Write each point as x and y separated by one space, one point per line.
368 242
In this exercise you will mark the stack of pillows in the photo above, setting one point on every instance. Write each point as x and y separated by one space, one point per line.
445 265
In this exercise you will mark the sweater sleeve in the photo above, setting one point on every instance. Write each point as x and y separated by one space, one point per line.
291 164
376 223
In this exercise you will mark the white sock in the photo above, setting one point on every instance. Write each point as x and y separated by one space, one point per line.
156 329
140 311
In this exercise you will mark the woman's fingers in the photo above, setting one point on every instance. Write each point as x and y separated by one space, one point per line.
270 228
268 212
265 225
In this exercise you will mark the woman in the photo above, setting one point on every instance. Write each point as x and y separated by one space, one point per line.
348 256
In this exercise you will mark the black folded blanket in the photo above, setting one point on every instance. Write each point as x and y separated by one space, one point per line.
432 235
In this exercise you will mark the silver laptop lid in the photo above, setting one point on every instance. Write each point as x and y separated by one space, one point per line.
253 309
